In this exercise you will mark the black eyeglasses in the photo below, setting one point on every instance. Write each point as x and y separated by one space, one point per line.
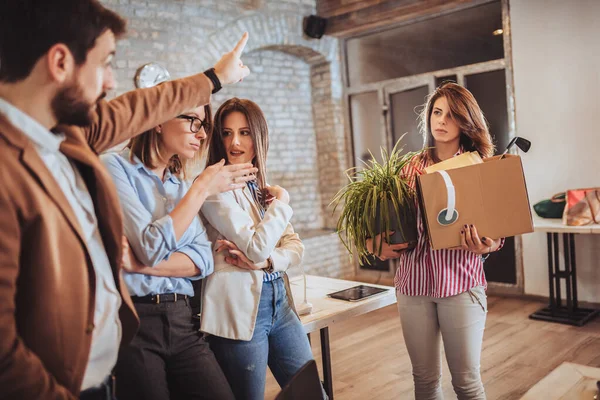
196 123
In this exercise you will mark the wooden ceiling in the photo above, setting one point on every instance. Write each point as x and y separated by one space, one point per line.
351 17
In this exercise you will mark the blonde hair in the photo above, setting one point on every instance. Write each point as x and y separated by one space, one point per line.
474 130
147 147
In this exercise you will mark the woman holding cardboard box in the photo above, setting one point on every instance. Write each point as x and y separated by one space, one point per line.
441 293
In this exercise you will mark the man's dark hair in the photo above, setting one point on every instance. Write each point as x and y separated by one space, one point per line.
29 28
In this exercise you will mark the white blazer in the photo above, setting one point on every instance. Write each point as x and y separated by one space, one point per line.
231 295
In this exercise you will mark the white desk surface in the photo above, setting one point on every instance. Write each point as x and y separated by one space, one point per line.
556 226
326 310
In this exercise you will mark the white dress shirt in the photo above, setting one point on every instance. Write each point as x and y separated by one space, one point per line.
107 326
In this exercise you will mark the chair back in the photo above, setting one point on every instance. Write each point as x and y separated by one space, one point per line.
305 385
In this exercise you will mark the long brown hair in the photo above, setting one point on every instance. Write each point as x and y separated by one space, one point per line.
474 130
259 131
147 147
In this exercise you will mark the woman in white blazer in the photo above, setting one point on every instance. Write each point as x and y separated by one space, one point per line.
247 305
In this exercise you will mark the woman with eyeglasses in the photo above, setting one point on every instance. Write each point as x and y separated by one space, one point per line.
165 248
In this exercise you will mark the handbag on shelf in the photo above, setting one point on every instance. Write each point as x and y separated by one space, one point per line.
582 207
551 208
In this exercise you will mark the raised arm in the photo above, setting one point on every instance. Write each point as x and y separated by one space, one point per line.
139 110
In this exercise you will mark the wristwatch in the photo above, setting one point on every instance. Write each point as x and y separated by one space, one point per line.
212 75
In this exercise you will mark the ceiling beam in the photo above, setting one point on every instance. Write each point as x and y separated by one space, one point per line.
351 17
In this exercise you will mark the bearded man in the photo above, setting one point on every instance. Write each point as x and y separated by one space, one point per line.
64 311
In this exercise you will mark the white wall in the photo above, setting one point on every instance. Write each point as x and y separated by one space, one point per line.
556 60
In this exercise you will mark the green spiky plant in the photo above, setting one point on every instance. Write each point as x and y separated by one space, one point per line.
376 200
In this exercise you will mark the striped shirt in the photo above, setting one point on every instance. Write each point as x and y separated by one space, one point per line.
423 271
258 199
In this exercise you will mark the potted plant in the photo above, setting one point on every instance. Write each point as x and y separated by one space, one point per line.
378 199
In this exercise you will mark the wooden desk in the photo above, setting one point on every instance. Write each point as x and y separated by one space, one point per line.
567 381
569 313
327 311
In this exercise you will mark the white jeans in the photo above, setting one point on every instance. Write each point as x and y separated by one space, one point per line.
459 321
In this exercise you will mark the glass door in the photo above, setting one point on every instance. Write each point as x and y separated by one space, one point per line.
404 103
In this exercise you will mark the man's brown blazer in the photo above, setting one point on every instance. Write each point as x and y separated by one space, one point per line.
47 279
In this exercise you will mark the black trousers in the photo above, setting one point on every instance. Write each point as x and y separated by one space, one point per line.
104 392
168 359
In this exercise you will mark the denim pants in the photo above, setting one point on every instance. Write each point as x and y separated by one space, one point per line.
458 321
168 359
279 341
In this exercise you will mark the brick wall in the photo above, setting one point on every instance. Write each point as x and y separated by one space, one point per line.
325 255
295 80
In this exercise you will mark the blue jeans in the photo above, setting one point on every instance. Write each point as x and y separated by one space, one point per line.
279 341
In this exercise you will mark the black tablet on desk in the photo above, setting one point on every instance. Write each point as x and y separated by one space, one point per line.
357 293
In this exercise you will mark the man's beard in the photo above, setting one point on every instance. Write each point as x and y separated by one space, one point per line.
70 108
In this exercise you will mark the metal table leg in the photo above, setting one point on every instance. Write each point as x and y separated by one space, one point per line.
326 359
570 313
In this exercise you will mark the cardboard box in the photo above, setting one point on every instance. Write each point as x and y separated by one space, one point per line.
492 196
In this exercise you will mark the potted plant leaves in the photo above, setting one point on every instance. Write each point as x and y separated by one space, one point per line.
378 199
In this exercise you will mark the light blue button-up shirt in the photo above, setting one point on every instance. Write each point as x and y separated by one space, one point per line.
146 202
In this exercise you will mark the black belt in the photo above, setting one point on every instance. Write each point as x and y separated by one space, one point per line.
159 298
106 391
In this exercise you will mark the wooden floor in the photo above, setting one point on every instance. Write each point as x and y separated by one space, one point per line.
370 361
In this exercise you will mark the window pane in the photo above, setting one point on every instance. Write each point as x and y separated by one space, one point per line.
366 126
443 79
404 108
502 266
460 38
367 134
489 89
